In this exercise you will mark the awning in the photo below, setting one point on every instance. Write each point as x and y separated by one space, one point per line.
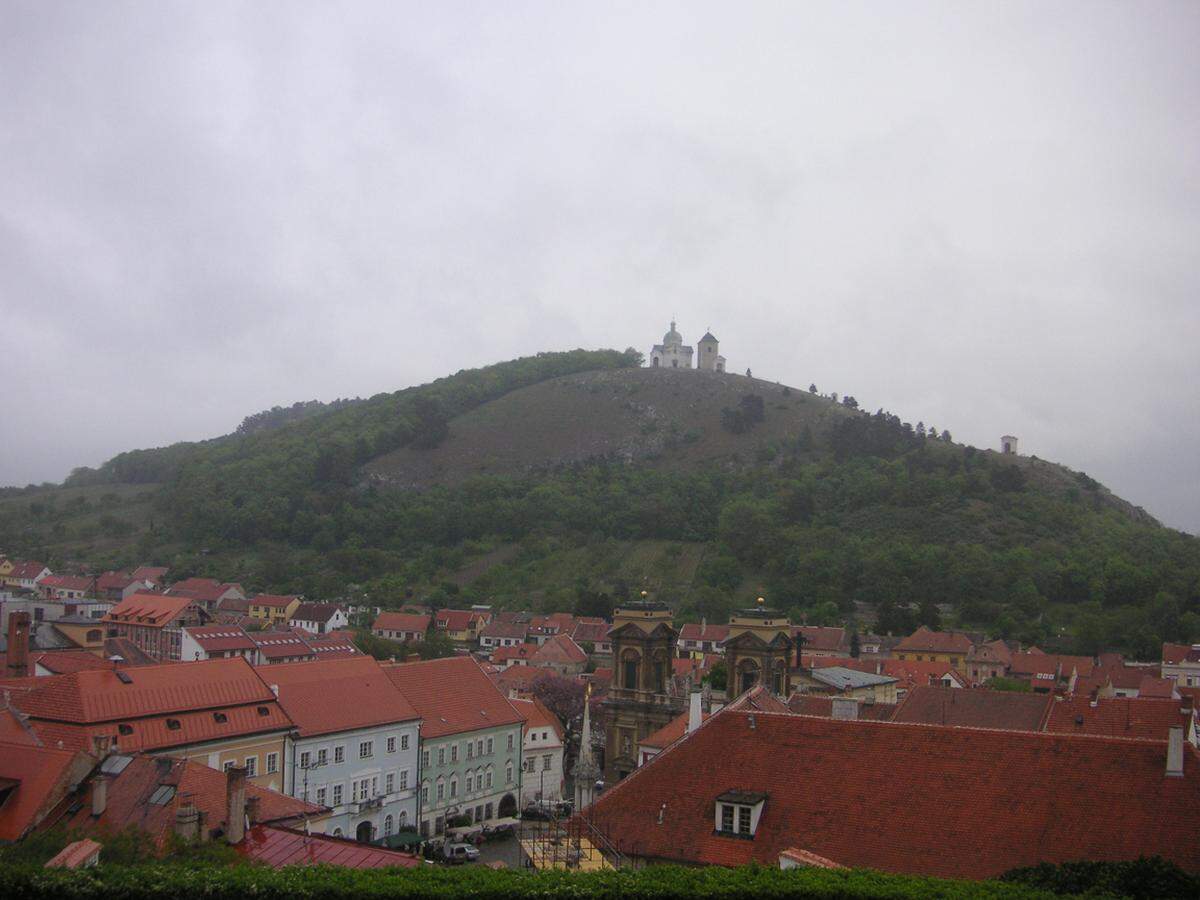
464 830
401 839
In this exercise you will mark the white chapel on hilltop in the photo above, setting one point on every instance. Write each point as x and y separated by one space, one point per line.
672 353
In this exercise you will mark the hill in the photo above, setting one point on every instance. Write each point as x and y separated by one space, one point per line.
572 479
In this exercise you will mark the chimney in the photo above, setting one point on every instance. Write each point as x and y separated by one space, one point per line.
845 708
18 645
235 805
100 744
275 689
187 822
695 715
99 796
1175 752
252 807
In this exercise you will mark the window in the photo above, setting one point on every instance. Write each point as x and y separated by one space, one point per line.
251 766
470 783
272 763
441 790
360 793
489 784
391 745
488 810
403 746
337 795
425 793
546 763
479 747
508 773
403 820
726 817
424 759
453 787
321 794
441 756
491 748
339 755
322 756
387 826
454 752
510 740
403 779
470 749
389 782
305 758
743 820
366 749
227 765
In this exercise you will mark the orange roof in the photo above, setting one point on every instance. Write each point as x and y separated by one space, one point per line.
669 733
822 705
537 716
820 637
1129 717
154 610
937 705
74 855
105 696
394 621
130 789
559 650
926 640
276 847
37 777
452 695
828 780
804 858
337 695
1174 654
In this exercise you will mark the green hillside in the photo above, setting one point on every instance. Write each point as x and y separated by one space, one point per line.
574 478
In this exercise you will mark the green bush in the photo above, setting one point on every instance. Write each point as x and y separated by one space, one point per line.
1148 877
236 882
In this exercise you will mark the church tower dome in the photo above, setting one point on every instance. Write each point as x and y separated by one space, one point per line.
672 336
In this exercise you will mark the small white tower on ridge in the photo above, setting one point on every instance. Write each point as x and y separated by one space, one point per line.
1008 445
708 358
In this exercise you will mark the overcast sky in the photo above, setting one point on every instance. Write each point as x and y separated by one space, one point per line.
982 215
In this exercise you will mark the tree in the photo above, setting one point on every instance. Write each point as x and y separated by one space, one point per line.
850 402
562 696
717 677
435 646
946 436
855 644
920 429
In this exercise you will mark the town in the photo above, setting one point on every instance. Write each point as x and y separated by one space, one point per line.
299 732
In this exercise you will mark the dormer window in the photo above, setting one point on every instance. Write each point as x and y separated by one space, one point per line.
738 812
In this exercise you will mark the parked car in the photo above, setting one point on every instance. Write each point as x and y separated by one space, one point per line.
455 854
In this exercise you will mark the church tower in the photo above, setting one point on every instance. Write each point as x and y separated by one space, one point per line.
586 771
708 357
758 651
639 702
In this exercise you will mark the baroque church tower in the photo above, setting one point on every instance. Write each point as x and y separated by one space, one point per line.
639 702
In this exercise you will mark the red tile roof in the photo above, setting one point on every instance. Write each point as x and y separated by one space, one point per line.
520 678
74 855
1150 686
114 581
1128 717
559 650
694 631
27 570
504 630
936 705
63 662
1047 797
818 705
926 640
337 695
152 610
129 792
669 733
591 632
152 574
452 695
277 847
315 612
822 638
1174 654
220 638
37 777
517 651
283 645
804 858
394 621
160 706
538 716
457 619
207 589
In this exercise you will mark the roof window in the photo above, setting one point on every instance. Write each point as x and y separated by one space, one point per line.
220 718
264 711
737 814
173 724
162 795
125 728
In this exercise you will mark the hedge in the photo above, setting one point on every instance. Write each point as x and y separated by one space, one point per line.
163 881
